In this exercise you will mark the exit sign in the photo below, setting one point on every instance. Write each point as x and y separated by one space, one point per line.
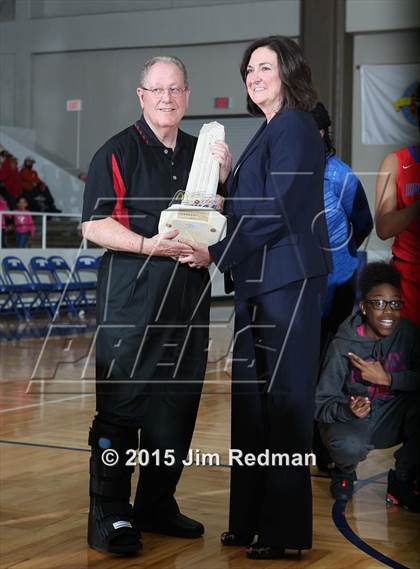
222 103
74 105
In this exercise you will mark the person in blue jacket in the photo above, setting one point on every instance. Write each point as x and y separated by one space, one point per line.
349 223
275 256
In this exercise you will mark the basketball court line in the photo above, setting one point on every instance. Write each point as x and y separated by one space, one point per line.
338 513
42 445
41 403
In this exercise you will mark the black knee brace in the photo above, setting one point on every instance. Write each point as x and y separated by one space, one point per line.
110 478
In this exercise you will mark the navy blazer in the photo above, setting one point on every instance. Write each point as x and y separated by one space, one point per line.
276 229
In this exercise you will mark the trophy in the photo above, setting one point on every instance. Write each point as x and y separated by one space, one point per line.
196 217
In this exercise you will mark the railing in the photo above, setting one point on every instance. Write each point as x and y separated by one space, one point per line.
44 219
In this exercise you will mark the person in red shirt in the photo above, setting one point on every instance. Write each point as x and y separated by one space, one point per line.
4 173
397 214
5 220
9 176
35 190
4 166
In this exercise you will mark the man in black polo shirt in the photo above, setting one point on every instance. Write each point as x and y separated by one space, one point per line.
152 315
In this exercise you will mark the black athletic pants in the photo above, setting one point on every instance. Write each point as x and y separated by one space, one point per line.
151 354
389 423
341 307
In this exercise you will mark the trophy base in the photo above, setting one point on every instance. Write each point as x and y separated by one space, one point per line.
199 224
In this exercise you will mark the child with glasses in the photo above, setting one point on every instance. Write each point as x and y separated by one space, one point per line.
368 396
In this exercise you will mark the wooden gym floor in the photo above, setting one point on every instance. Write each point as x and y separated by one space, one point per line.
44 475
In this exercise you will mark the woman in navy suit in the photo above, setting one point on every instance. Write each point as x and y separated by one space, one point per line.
275 257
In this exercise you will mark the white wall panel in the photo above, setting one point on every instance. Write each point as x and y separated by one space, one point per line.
238 131
390 48
7 89
66 8
386 15
106 82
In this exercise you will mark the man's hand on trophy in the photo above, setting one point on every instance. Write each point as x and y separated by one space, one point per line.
220 150
200 256
166 245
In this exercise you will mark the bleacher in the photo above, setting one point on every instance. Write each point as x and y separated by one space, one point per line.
51 231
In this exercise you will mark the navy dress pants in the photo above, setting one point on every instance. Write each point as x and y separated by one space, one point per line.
275 365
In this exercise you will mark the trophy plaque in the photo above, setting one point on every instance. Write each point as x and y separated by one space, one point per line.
196 217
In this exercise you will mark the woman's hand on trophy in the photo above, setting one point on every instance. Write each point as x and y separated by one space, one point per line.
200 256
220 150
220 200
165 245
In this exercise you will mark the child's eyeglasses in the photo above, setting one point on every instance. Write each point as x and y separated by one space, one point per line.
381 303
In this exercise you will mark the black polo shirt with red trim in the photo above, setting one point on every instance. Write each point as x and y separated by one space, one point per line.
133 177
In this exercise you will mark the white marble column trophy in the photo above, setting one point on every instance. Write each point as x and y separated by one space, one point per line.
196 217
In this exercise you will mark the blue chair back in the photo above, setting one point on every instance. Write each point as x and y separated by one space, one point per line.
16 272
85 262
62 272
86 269
42 270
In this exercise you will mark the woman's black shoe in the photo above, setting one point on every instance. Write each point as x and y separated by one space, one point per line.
264 552
234 538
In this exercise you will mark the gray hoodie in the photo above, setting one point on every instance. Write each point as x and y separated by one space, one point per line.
399 354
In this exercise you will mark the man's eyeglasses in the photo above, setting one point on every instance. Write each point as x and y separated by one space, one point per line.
160 91
381 304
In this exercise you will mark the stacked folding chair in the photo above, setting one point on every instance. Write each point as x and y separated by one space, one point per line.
7 304
43 275
71 296
86 272
48 285
26 295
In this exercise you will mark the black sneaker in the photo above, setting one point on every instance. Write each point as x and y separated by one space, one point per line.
342 484
325 466
177 525
402 493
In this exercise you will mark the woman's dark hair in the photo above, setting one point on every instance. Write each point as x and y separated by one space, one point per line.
378 273
323 121
295 74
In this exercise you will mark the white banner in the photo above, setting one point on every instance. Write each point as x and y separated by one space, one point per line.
388 107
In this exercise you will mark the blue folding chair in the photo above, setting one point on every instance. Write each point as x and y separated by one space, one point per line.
7 304
63 275
43 274
27 296
86 272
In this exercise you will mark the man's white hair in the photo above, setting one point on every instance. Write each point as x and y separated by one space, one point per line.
165 59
